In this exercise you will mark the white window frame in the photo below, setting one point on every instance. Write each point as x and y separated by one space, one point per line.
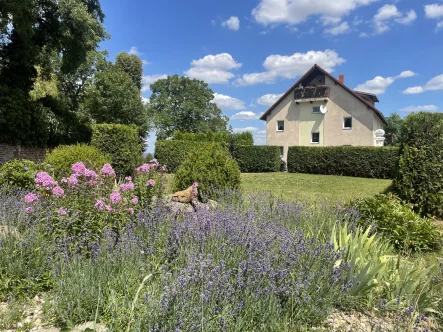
283 126
312 111
344 120
319 137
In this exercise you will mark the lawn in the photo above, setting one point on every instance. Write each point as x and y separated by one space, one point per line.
311 186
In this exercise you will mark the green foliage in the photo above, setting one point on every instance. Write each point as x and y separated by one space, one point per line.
172 153
367 162
226 138
419 180
181 103
393 129
257 159
112 97
212 167
132 65
62 158
396 221
121 142
19 173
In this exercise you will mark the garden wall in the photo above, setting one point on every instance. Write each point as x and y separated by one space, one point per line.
8 152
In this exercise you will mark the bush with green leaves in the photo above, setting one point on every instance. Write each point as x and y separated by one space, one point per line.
358 161
212 167
396 221
19 173
63 157
257 158
121 142
172 153
419 179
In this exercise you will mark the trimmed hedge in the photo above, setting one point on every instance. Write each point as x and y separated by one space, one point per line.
122 143
419 179
172 153
358 161
257 158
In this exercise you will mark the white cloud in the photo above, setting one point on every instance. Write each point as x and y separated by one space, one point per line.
233 23
439 26
227 102
213 68
338 29
260 137
388 13
134 51
434 11
297 11
413 90
425 108
433 84
245 115
243 130
291 66
145 100
379 84
269 99
149 79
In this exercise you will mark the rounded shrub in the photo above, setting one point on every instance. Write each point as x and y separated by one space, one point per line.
212 167
63 157
19 173
419 178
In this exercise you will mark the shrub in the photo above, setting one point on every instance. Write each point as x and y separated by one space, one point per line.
212 167
121 142
63 157
367 162
397 221
172 153
419 179
257 159
19 173
229 140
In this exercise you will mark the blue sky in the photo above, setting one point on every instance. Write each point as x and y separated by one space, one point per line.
251 51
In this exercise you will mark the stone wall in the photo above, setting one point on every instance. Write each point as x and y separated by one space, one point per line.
8 152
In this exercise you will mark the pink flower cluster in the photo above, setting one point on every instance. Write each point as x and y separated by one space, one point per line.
44 180
150 183
80 171
115 197
31 198
58 191
107 170
128 185
62 211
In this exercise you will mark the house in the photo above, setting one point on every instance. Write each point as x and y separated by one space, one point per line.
320 110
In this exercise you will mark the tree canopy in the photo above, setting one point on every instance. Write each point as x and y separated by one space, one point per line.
132 65
393 129
184 104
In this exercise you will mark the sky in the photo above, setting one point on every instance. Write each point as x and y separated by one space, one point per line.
251 51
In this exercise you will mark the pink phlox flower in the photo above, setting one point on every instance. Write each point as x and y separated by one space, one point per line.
31 198
62 211
195 184
45 180
143 168
73 180
64 180
90 174
131 211
58 191
128 179
154 161
150 183
164 168
127 186
99 205
115 197
79 168
134 200
107 170
109 208
29 209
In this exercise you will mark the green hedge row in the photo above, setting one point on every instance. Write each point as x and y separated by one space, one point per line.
172 152
122 143
366 162
257 158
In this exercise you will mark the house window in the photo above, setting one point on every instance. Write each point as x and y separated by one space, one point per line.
282 151
316 110
315 138
281 125
347 123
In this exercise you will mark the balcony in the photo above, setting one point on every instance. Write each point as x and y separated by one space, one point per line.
311 93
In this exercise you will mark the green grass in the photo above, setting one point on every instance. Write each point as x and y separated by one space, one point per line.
312 186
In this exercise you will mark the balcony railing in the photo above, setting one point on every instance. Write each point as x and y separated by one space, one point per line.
311 92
